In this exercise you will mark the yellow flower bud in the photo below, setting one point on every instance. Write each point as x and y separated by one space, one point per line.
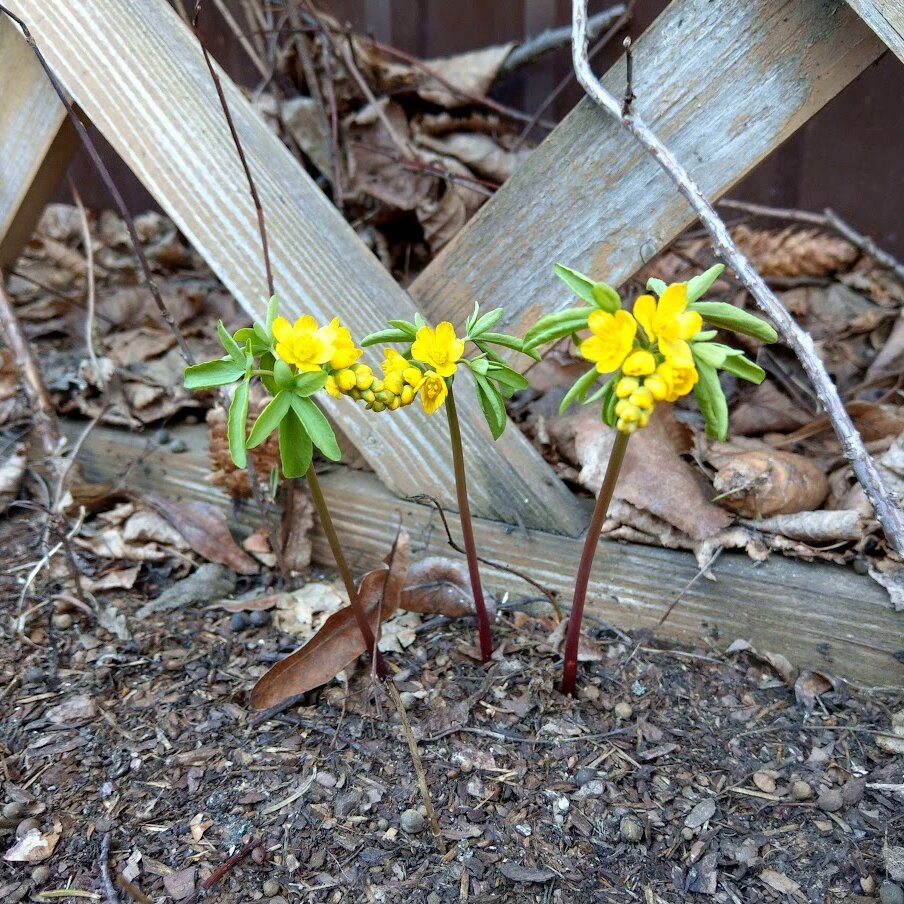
639 363
626 426
644 418
346 379
364 376
657 387
407 395
332 387
394 404
625 386
368 395
642 398
393 381
412 376
377 406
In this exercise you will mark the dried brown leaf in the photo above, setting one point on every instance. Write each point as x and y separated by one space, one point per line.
473 72
34 846
811 684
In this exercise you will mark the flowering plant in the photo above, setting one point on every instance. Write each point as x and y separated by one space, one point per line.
658 352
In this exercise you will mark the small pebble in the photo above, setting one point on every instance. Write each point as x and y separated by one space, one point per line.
522 828
801 791
177 446
40 874
412 822
382 824
830 801
162 437
238 622
433 898
62 621
258 618
271 887
584 775
33 674
630 829
13 810
258 854
891 893
623 711
408 699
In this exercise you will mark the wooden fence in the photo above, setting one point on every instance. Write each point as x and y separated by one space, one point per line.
587 196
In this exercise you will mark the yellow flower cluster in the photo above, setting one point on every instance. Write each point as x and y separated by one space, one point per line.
656 363
311 348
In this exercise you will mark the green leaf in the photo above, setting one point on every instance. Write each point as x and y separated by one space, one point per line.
581 285
394 335
235 424
283 375
295 447
231 346
212 373
700 284
578 390
268 362
506 341
501 373
711 353
492 405
607 387
728 317
656 285
610 400
269 419
605 297
409 329
419 322
711 399
245 334
472 318
317 427
555 326
491 318
272 312
479 365
491 355
306 384
704 335
744 368
263 337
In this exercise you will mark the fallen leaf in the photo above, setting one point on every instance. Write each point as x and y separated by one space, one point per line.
204 527
779 663
479 152
34 846
765 781
893 742
814 527
473 72
811 684
517 873
120 579
893 855
72 709
702 813
302 119
893 581
767 410
588 650
780 882
181 883
439 586
12 472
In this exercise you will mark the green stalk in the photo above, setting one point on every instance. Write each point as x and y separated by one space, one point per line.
467 530
352 591
572 637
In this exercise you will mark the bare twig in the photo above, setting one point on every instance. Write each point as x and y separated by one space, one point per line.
629 77
800 342
550 98
326 56
45 421
218 874
234 26
828 218
554 38
238 146
418 764
89 276
680 595
111 188
109 890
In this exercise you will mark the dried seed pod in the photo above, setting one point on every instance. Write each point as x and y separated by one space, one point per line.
764 482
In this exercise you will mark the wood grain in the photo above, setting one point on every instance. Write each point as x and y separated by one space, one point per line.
886 19
819 616
722 84
136 70
33 153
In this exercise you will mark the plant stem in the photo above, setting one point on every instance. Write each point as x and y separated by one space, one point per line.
467 530
354 600
573 635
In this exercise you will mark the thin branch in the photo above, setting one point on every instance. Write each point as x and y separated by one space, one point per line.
800 342
554 38
629 77
829 219
265 250
234 26
111 188
109 890
90 290
334 124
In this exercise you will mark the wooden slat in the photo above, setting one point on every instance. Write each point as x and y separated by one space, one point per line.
886 19
137 72
33 152
819 616
722 83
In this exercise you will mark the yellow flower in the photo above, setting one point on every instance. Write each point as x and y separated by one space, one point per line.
639 363
433 391
670 381
332 387
439 349
669 323
303 344
345 352
394 363
612 339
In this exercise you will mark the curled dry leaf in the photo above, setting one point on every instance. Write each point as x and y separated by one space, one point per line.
588 649
439 586
35 845
338 643
893 742
760 483
814 527
810 685
779 663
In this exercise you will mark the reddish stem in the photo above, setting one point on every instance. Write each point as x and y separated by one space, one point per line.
467 530
573 635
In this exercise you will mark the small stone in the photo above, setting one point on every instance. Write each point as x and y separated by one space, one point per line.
40 874
259 855
259 618
238 622
408 699
852 792
623 711
434 898
412 822
62 621
830 801
891 893
177 446
271 888
630 829
382 824
162 437
584 775
523 829
13 810
33 674
801 790
867 885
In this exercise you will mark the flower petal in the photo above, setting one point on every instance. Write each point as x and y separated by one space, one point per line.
645 313
282 329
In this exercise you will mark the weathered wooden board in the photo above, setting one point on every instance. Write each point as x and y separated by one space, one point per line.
136 70
886 19
722 84
33 151
819 616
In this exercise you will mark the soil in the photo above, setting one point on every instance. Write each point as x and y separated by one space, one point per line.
677 774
